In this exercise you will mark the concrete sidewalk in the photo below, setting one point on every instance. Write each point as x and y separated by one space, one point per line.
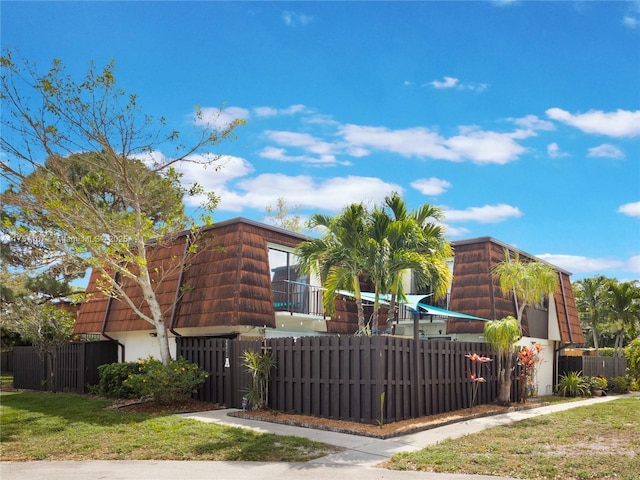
358 460
367 451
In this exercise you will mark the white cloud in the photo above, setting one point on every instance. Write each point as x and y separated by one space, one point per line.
633 264
315 151
580 264
452 82
220 118
621 123
631 18
554 151
630 209
451 231
485 214
606 150
214 177
280 154
300 140
478 146
448 82
417 142
153 159
431 186
533 122
273 112
307 192
294 19
483 147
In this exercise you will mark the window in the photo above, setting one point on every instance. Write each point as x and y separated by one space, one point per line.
290 287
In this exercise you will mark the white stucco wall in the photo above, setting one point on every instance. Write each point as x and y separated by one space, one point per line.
141 344
544 374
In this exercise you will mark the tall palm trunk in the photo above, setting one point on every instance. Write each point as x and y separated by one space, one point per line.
504 389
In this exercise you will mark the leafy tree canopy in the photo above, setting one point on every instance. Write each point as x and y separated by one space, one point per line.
93 179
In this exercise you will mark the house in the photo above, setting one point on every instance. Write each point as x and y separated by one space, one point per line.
554 325
243 283
240 283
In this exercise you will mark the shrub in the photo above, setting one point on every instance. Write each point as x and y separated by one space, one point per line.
596 383
112 380
619 384
633 355
573 384
178 380
606 351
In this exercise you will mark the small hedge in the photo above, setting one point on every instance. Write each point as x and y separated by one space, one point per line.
112 380
150 379
619 384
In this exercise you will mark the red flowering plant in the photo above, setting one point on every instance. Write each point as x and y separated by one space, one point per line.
474 373
528 359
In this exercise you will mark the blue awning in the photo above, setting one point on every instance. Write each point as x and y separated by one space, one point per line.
431 310
416 304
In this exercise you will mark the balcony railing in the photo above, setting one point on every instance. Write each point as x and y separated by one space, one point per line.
297 297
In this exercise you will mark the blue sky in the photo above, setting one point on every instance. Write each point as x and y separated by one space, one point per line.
520 119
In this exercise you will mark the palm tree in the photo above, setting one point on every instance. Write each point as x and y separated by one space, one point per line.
502 335
338 257
417 244
528 282
591 298
624 310
377 256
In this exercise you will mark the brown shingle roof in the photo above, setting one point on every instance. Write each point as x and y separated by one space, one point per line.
476 292
227 283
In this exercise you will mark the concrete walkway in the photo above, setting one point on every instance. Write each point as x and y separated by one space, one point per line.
358 460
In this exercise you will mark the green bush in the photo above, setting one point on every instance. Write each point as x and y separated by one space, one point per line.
632 353
619 385
112 380
178 380
596 383
606 351
573 384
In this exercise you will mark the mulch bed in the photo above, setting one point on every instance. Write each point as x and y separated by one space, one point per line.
183 406
388 430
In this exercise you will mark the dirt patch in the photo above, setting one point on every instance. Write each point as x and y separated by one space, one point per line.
388 430
183 406
7 387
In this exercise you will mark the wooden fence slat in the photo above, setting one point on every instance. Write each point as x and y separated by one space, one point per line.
75 366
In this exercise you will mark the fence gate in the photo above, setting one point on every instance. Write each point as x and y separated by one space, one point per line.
222 359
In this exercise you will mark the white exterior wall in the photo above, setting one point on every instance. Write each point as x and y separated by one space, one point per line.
143 343
140 344
544 372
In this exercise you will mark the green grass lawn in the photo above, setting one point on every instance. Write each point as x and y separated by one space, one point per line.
599 441
47 426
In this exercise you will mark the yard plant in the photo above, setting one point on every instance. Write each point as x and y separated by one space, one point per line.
151 379
259 365
573 384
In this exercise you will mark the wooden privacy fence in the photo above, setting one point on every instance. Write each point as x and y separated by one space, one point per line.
74 366
609 367
6 361
344 377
